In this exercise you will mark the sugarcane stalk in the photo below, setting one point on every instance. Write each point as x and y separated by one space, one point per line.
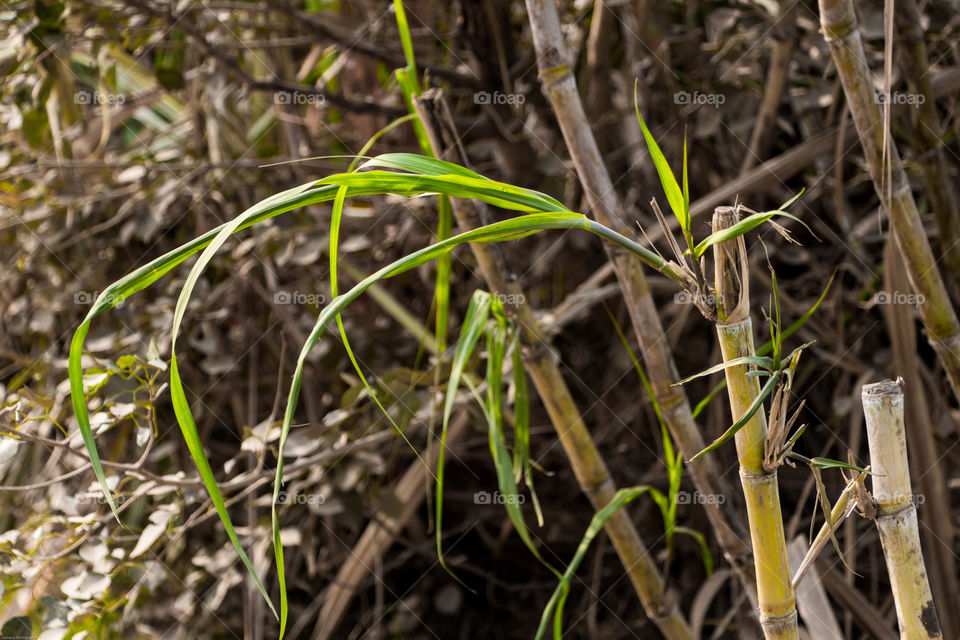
840 28
560 87
897 512
926 456
588 465
775 593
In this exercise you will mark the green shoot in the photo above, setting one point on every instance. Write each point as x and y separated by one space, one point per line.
679 199
498 334
473 326
554 608
672 459
767 347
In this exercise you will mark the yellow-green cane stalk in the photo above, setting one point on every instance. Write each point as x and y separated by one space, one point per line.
775 594
890 181
896 511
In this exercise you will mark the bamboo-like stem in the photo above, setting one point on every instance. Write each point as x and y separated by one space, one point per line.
937 533
561 89
588 465
775 594
927 134
890 181
896 511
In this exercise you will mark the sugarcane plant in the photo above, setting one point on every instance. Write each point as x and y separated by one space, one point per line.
399 174
413 175
764 442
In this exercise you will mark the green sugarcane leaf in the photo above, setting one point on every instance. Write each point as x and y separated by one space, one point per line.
554 608
704 547
764 363
478 312
549 215
144 277
754 407
827 463
675 196
460 186
497 335
743 226
417 164
521 419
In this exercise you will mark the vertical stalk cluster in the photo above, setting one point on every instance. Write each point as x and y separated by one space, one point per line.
890 181
775 593
896 512
560 87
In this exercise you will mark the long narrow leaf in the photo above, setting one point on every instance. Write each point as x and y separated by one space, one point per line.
490 191
749 223
497 335
754 407
760 361
554 608
521 421
667 180
477 315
